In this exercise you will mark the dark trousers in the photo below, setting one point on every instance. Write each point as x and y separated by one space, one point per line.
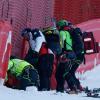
72 81
29 77
66 71
45 66
32 58
59 77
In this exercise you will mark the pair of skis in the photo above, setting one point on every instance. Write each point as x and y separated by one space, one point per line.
92 92
89 92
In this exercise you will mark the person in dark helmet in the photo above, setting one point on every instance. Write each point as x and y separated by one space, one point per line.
39 55
66 70
21 74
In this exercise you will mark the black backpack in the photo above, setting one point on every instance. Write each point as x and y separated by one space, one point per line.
53 42
83 42
77 40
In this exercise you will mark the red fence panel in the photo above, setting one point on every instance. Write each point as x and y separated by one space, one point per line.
93 59
5 46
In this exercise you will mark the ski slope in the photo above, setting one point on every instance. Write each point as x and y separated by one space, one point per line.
91 79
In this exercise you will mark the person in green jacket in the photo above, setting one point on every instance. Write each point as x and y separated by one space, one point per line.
21 74
65 37
67 56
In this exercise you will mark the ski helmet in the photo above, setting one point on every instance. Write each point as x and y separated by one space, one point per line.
50 30
62 23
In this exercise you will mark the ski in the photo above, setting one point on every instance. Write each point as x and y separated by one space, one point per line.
92 92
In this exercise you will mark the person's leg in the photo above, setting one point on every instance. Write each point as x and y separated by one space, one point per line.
78 61
70 76
24 79
49 69
31 58
29 77
45 69
23 84
34 77
70 82
59 78
73 82
71 79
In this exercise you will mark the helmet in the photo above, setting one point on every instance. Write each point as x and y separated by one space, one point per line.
25 31
62 23
50 30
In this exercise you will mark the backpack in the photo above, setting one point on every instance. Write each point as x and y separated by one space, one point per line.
53 42
83 42
77 40
90 44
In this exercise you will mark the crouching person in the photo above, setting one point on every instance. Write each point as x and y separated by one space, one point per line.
21 74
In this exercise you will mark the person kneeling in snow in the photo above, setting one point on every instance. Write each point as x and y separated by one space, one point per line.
21 74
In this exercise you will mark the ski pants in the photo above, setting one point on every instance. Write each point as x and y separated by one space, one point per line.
45 66
29 77
32 58
66 71
72 81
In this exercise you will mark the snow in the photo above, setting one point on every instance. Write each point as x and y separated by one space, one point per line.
92 80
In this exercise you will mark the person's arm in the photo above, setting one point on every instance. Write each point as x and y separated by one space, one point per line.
62 38
10 65
38 42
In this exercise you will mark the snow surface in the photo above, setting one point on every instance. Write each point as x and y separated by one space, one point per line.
91 79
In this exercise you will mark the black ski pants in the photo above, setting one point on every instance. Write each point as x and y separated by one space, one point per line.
45 66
